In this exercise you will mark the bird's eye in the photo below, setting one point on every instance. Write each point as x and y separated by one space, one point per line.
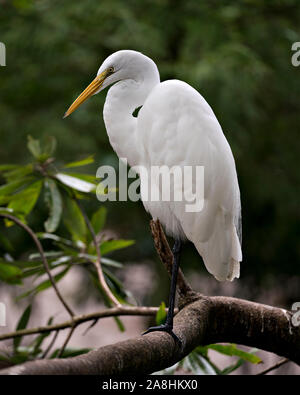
111 70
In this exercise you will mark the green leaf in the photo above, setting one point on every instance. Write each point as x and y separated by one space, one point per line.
74 221
49 145
232 350
38 341
112 245
115 284
22 324
82 176
110 262
161 314
70 352
33 271
18 173
5 242
24 201
54 202
75 183
98 219
22 264
119 324
231 368
34 147
45 284
8 167
48 254
13 186
5 358
83 162
203 350
51 236
4 199
10 273
197 364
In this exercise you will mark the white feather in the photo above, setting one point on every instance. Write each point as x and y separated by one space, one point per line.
177 127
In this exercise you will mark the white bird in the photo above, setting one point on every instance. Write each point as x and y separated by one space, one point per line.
175 127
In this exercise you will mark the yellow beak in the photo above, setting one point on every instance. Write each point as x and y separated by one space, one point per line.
94 86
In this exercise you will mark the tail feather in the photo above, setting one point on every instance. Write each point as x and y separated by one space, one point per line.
222 253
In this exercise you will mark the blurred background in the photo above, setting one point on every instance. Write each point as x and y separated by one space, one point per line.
237 54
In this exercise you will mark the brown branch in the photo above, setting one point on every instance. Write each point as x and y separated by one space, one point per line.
97 263
51 344
68 338
80 319
205 321
44 259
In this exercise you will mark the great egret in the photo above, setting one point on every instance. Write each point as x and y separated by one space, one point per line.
174 127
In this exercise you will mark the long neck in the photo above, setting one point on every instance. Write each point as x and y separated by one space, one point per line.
121 101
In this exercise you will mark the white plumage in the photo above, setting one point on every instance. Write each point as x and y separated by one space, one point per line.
174 127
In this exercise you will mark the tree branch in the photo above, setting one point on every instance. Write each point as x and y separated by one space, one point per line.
204 321
68 338
111 297
80 319
273 367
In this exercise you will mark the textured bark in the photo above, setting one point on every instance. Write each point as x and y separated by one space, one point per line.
203 321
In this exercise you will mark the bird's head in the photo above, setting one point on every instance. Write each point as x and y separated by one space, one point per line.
121 65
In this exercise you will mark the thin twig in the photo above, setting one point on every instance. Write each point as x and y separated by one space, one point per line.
61 351
97 263
44 259
80 319
45 353
275 366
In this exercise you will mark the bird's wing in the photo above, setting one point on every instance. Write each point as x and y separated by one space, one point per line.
177 127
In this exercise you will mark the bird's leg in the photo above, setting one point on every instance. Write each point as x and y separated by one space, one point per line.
168 325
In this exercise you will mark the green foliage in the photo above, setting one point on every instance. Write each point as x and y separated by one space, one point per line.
61 200
53 201
231 350
161 314
70 352
22 324
73 220
72 243
199 362
25 185
112 245
10 273
98 219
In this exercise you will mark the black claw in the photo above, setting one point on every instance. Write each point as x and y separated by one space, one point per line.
163 328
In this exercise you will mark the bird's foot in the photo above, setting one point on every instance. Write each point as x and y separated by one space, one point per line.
163 328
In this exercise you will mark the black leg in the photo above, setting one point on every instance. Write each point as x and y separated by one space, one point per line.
168 325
